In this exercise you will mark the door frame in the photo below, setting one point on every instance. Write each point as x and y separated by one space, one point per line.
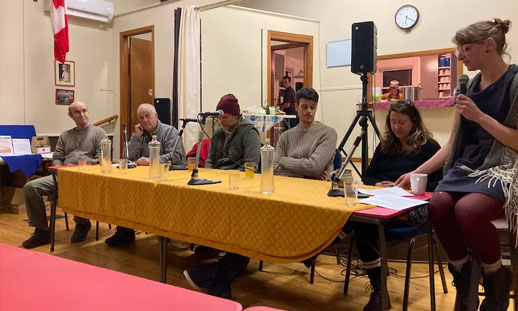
294 40
124 74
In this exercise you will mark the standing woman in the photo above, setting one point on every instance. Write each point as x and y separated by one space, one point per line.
480 161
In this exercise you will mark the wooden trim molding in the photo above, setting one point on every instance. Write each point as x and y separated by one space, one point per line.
123 71
292 39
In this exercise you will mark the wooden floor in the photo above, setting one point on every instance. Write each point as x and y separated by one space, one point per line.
283 286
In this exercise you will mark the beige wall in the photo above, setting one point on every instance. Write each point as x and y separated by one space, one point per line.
27 90
438 22
231 45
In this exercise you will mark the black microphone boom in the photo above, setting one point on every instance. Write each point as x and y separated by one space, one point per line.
217 113
463 81
187 120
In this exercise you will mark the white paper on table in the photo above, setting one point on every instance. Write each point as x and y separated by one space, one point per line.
6 145
393 202
21 146
47 155
386 191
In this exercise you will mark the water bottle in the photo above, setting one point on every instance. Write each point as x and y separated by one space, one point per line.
106 159
267 185
154 159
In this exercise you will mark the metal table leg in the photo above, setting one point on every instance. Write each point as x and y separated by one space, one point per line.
53 212
430 266
163 259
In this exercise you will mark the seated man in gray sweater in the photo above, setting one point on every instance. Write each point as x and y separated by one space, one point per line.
138 151
83 140
308 149
304 151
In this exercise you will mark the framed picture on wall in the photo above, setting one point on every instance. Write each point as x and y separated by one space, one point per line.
65 73
64 97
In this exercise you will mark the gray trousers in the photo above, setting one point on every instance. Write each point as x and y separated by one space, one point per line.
33 193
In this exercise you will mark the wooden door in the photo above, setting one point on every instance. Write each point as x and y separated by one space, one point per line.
428 76
140 77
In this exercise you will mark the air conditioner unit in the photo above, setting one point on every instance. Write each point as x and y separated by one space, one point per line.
99 10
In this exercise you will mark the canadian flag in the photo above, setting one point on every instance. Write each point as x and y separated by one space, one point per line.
59 24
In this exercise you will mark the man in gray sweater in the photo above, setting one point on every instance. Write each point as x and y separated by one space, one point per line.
308 149
138 150
83 140
304 151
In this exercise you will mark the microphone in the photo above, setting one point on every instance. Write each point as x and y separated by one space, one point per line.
217 113
187 120
463 80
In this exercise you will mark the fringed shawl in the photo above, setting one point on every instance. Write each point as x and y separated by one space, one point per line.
501 164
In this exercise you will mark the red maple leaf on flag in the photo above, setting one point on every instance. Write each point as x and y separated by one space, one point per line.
59 24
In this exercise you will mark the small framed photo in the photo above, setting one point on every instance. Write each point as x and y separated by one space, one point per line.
64 97
65 73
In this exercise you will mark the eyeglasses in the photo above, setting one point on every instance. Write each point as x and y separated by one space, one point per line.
466 48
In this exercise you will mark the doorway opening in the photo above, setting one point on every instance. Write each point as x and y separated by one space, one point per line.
137 75
290 55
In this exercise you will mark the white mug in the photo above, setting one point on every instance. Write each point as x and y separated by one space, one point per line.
418 183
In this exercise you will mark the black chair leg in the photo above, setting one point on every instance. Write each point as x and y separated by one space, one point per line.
66 222
312 274
407 274
97 231
441 269
349 258
260 265
110 226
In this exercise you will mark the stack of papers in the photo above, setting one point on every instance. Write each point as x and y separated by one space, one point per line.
392 197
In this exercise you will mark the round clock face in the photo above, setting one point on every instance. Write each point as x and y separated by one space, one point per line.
407 16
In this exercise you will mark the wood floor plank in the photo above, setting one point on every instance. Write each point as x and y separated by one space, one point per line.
284 286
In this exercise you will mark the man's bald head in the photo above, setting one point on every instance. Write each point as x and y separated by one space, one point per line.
78 112
148 117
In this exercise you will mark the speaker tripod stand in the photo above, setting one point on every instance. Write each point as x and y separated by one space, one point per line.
363 115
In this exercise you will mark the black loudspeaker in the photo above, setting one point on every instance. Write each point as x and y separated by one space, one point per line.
163 108
364 47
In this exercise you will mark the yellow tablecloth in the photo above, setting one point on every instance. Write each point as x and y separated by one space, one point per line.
296 222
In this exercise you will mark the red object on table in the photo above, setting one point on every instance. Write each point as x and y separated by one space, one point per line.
31 280
384 213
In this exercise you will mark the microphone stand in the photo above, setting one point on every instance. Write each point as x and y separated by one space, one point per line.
335 191
180 133
195 181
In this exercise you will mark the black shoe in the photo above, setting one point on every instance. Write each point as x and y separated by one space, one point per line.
121 237
496 287
206 252
374 303
81 232
201 279
38 238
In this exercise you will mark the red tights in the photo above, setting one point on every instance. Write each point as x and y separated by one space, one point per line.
463 221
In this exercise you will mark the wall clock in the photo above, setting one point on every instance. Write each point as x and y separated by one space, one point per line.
406 17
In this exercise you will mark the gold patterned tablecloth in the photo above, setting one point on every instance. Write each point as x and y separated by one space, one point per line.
296 222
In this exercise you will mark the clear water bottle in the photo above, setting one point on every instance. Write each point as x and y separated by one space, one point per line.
154 159
106 159
267 151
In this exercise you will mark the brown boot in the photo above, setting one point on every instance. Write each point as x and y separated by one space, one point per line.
374 303
496 287
461 281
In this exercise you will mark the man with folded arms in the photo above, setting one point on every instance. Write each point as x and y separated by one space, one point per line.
83 140
138 151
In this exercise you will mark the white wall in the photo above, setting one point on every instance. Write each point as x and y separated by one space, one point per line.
27 89
438 22
231 45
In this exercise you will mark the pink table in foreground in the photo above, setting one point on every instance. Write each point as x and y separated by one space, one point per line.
31 280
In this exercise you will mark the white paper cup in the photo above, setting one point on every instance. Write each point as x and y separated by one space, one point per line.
418 183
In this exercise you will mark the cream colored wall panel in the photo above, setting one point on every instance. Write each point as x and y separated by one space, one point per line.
12 64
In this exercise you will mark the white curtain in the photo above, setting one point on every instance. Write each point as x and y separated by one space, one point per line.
189 72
